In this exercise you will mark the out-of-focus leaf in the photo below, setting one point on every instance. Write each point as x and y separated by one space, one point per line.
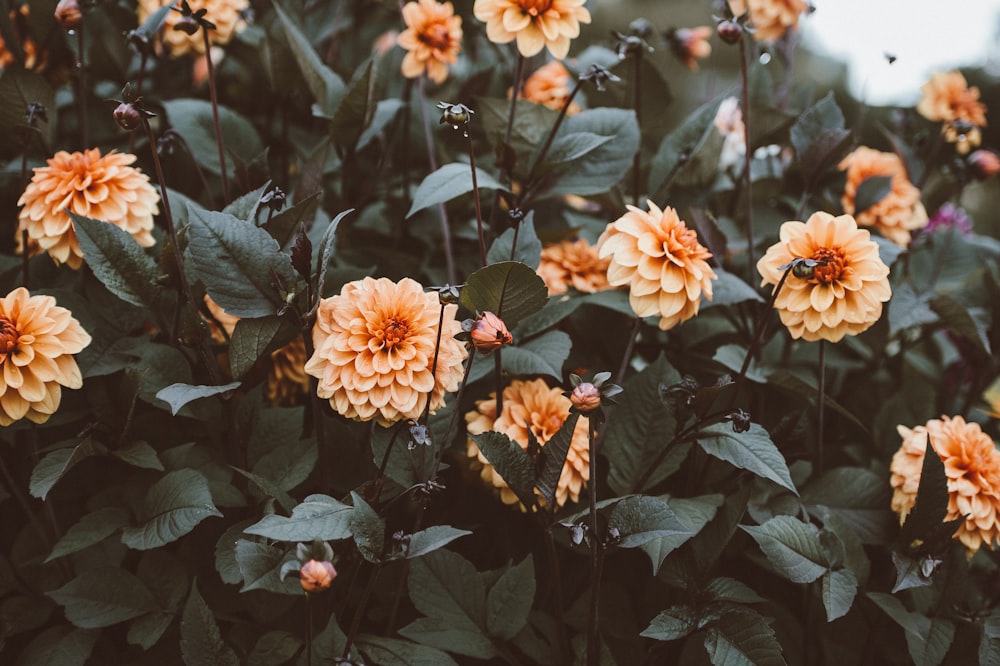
201 640
693 146
326 87
355 111
193 120
603 158
274 647
172 507
927 639
956 317
870 191
908 309
450 181
728 289
60 645
752 450
792 546
19 88
103 596
394 652
385 111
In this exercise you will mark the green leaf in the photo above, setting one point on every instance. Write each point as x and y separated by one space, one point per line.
269 489
193 120
819 138
671 624
839 588
237 262
120 263
752 450
640 519
956 317
326 247
201 640
178 395
93 528
19 88
927 639
153 23
543 355
509 600
432 538
529 248
368 530
604 141
511 462
693 147
274 647
57 464
284 225
908 309
326 87
225 553
792 546
394 652
728 289
451 595
925 523
255 338
509 289
103 596
354 112
317 517
693 514
554 455
60 645
870 191
289 465
450 181
743 639
531 125
730 589
857 495
173 506
260 566
385 112
139 454
638 430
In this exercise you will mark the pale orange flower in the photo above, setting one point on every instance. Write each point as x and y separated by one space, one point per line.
972 467
226 15
770 19
947 98
531 405
432 39
691 45
848 286
37 342
103 188
573 264
535 24
375 350
897 213
662 262
550 85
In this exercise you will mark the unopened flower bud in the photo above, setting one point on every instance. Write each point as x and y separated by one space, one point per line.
730 32
316 576
456 115
586 397
489 333
187 24
740 420
68 14
127 116
984 163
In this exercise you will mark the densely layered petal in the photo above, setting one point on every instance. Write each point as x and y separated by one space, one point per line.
534 24
573 264
432 39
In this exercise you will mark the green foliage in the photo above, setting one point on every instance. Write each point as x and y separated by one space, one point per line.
448 182
509 289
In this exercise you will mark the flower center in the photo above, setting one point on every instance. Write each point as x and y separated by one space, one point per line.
392 333
436 36
831 265
535 7
8 336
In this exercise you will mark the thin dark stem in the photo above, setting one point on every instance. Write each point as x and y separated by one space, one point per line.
215 114
637 103
552 134
360 611
498 371
176 136
309 631
380 477
822 406
745 75
475 196
316 407
25 254
593 643
434 363
513 246
931 156
19 495
506 174
629 348
557 601
81 71
143 56
449 255
454 414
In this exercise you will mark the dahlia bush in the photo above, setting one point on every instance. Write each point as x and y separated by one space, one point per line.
525 332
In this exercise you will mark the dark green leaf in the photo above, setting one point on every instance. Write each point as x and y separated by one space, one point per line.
289 465
394 652
728 289
509 289
839 588
828 149
93 528
103 596
693 146
326 248
510 599
450 181
61 645
385 111
225 553
193 120
543 355
19 88
237 260
792 546
927 639
317 517
139 454
529 248
909 572
638 431
554 452
908 309
956 317
246 206
268 488
730 589
743 639
354 112
857 495
178 395
752 450
326 87
260 566
284 225
822 116
870 191
153 23
925 523
173 506
57 464
640 519
368 530
201 640
693 513
531 125
255 338
609 139
430 539
671 624
274 647
511 462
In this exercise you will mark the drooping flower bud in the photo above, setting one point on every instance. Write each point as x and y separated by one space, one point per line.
68 14
489 333
730 32
127 116
316 575
187 24
586 397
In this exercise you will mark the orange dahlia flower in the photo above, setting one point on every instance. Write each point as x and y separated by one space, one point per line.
662 262
848 285
691 45
770 19
972 467
897 213
37 342
432 39
947 98
103 188
550 85
531 405
535 24
226 15
576 264
375 350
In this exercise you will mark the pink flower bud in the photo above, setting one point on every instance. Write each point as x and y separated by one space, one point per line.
316 576
489 333
586 397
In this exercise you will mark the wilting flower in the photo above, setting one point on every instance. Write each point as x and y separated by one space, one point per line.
316 575
226 15
729 121
102 188
972 467
535 24
37 342
947 98
573 264
531 405
550 85
949 216
899 212
691 45
842 292
770 19
287 381
432 39
662 262
489 333
375 350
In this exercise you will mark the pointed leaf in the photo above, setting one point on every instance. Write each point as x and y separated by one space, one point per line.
554 452
255 338
859 496
927 639
173 506
870 191
640 519
450 181
839 588
193 119
511 462
792 546
743 639
752 450
326 87
510 599
57 464
326 248
317 517
925 521
432 538
178 395
605 142
261 566
509 289
103 596
61 645
529 248
691 138
693 513
368 530
671 624
93 528
201 640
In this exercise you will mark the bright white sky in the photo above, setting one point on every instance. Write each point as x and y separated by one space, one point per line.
924 35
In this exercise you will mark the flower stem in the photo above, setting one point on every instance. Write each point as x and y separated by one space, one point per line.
475 196
745 76
215 114
360 611
629 348
557 611
81 81
25 255
454 415
637 103
449 255
822 405
143 56
498 371
552 135
596 555
309 631
176 136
